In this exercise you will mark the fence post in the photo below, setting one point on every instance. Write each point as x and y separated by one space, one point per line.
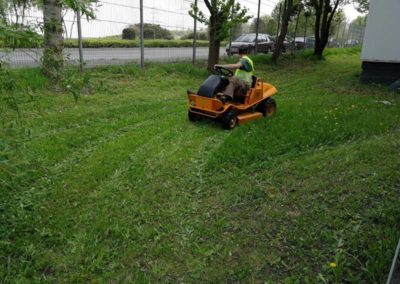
257 25
141 35
194 36
78 19
231 34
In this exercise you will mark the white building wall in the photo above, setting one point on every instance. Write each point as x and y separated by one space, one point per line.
382 35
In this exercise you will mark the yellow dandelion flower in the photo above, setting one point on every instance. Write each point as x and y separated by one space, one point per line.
332 264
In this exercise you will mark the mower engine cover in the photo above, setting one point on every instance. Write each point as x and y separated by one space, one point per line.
212 86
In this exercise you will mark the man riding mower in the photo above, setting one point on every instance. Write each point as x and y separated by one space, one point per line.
233 99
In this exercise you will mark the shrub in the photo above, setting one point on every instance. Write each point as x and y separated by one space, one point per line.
152 31
199 36
104 43
128 33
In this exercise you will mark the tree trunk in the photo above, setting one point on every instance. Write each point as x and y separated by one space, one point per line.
16 14
23 13
322 29
213 46
319 49
317 29
53 60
285 24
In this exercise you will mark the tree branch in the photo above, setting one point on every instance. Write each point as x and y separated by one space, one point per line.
333 13
208 4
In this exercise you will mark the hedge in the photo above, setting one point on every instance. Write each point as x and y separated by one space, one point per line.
98 43
102 43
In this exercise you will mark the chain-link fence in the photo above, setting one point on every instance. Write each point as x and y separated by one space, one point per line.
114 36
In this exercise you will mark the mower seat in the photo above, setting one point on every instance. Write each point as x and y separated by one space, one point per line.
213 85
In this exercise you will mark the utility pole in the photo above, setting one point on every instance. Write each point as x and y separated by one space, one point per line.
231 34
194 36
141 35
257 25
78 18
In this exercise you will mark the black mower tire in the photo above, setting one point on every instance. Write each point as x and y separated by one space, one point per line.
229 120
192 116
267 107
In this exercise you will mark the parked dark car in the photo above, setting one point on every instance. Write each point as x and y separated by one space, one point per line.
310 42
286 42
265 44
300 44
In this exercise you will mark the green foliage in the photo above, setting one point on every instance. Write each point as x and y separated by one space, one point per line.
13 37
266 25
363 6
153 31
224 15
199 36
128 33
359 23
120 187
84 6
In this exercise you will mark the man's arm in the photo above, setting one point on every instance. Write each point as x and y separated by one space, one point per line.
232 66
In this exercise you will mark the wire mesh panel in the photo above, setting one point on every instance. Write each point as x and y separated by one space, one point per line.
113 36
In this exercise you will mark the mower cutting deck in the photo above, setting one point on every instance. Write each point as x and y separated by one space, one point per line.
256 103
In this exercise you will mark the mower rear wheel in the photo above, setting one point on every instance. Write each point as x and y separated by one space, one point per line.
267 107
192 116
229 120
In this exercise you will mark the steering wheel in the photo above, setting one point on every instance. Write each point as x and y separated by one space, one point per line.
223 71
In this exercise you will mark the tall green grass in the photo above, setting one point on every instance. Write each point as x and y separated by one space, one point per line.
120 187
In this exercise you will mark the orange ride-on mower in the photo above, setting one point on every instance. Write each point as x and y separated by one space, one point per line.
256 102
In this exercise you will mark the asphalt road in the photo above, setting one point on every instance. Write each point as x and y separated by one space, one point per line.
105 56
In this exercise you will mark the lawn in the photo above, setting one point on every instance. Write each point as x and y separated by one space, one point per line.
120 187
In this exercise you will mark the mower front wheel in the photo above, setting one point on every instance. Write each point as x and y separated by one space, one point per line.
229 120
267 107
192 116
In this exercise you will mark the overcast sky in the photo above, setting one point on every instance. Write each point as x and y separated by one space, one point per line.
114 15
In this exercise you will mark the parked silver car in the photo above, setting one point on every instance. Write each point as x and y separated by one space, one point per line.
265 44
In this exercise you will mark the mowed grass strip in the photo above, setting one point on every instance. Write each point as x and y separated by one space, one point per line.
125 189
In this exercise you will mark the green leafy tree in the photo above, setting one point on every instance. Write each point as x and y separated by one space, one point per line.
304 22
3 11
267 25
19 7
53 59
153 31
324 11
129 33
13 36
224 15
356 29
359 22
363 6
275 12
199 36
290 9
